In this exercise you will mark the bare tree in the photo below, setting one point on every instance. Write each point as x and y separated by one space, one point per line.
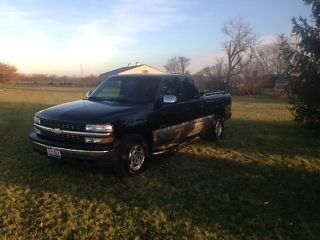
219 68
172 65
212 77
8 74
270 59
177 65
215 71
251 79
184 62
239 46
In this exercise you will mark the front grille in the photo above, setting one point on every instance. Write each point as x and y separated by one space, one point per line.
63 137
62 125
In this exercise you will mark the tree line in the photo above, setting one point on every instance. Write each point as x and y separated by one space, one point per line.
55 80
9 76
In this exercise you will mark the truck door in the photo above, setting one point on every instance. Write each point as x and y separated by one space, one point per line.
195 118
169 118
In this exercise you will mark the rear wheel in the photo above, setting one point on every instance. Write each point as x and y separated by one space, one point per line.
216 130
133 156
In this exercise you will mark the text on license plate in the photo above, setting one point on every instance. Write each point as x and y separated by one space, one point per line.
55 153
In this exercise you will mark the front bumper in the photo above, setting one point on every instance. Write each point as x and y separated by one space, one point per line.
84 152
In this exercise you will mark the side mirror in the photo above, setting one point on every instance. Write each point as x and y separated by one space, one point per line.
169 99
88 94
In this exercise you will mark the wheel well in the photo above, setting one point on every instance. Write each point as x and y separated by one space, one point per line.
145 134
221 113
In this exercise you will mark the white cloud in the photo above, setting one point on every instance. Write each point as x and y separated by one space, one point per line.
147 15
36 42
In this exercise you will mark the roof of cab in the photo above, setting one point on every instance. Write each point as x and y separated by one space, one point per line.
149 75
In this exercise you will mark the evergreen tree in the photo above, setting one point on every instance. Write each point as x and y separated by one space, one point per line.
303 67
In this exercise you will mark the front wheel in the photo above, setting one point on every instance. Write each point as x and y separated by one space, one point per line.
133 156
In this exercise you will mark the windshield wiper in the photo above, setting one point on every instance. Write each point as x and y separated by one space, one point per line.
109 99
95 99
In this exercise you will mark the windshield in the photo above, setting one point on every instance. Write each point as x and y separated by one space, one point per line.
136 90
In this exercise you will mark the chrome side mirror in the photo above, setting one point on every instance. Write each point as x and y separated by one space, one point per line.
169 99
88 94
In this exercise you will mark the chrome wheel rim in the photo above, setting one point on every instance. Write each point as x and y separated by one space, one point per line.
218 129
137 157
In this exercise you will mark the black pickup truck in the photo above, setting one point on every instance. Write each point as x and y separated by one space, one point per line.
128 118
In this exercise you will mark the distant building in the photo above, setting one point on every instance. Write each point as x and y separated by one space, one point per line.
137 69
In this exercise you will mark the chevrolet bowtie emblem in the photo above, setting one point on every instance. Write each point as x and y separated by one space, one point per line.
57 131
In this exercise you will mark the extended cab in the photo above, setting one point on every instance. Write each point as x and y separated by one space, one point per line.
128 118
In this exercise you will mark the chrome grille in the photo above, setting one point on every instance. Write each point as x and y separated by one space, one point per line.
64 137
62 125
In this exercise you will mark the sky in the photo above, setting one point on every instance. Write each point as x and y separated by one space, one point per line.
56 37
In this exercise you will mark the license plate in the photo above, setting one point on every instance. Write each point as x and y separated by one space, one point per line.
54 153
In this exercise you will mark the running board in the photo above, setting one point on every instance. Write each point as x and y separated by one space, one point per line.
176 147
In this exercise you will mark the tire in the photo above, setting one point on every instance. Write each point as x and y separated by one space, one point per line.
216 130
133 156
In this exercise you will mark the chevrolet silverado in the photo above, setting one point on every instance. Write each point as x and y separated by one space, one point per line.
128 118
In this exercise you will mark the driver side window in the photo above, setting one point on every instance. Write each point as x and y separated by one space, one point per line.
172 86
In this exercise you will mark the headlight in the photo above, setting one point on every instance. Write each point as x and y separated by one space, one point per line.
99 128
36 120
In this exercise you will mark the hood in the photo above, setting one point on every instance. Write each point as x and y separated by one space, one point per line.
92 112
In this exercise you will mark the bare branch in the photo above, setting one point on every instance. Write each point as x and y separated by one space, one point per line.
240 40
177 65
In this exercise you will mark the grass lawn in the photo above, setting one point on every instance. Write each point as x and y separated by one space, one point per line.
261 182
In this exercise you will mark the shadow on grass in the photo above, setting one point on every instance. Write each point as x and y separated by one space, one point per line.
244 199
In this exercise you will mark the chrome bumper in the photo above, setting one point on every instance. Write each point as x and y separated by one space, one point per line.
75 153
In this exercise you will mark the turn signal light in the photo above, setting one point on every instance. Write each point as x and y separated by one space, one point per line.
99 140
